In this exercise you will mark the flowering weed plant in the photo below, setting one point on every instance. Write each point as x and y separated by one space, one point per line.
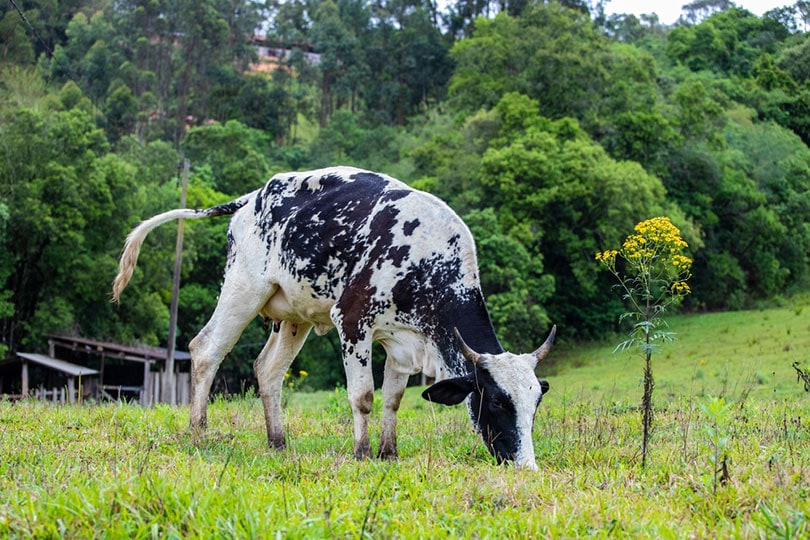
652 272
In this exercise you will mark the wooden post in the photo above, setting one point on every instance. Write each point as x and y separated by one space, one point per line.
100 388
24 378
71 388
145 395
169 390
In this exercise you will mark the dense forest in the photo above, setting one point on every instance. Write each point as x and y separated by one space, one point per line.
550 127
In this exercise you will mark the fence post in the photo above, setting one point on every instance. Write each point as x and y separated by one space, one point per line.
169 393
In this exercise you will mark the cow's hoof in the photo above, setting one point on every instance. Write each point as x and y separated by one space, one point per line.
362 451
198 425
276 442
388 455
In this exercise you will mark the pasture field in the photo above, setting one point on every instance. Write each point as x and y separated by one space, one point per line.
737 468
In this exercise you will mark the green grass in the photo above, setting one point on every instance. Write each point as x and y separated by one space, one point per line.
119 471
734 354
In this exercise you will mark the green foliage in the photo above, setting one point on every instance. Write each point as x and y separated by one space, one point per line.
6 268
554 55
562 196
68 198
121 109
236 154
745 198
348 141
795 59
717 412
514 282
17 49
729 41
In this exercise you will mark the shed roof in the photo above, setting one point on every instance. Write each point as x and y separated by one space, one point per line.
137 353
59 365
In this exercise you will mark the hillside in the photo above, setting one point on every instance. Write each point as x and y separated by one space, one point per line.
739 355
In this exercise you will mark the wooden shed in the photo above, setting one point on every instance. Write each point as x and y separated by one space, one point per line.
77 378
108 371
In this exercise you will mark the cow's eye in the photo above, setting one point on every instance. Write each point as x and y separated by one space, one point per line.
497 403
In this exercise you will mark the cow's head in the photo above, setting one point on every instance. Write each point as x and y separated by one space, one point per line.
503 396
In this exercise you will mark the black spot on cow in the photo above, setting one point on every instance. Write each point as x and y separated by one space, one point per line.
381 238
230 249
398 254
395 195
224 209
410 226
494 415
356 309
259 204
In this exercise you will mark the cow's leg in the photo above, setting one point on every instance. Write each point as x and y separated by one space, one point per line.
236 307
360 387
270 366
394 383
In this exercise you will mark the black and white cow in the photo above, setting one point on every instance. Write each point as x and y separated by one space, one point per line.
380 261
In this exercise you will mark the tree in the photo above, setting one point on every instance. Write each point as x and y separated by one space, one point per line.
699 10
6 268
560 196
728 41
47 20
121 109
556 56
236 154
69 198
174 49
15 47
512 279
408 62
795 60
340 60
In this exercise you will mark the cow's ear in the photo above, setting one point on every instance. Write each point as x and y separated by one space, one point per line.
450 391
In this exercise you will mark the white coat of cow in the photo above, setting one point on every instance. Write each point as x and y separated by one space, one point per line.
379 261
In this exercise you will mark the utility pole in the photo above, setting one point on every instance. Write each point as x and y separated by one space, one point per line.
168 392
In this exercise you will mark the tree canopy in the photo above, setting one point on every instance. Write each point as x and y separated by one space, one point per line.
550 127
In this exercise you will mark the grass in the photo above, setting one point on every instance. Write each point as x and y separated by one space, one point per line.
120 471
737 354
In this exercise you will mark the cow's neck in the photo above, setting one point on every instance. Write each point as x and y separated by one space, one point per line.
471 318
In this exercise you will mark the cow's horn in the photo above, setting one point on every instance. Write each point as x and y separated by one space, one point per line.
468 353
545 347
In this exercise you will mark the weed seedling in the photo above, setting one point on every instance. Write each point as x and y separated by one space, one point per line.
716 411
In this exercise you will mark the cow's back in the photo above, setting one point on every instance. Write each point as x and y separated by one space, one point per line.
339 226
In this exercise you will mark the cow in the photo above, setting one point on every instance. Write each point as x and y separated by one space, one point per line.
379 261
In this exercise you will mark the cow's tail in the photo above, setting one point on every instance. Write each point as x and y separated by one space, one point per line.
132 246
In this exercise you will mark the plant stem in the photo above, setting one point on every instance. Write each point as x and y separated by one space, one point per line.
649 382
646 405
